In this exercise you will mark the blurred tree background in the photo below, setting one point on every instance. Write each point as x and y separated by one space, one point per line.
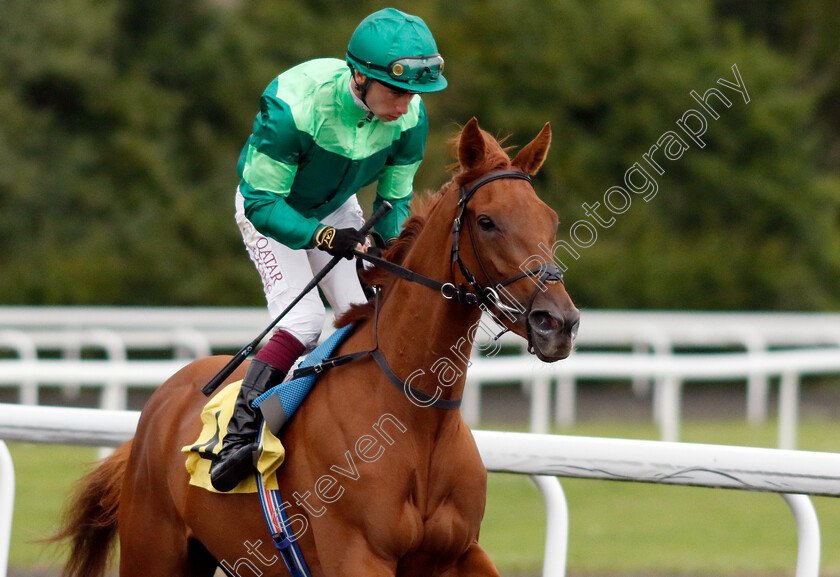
121 123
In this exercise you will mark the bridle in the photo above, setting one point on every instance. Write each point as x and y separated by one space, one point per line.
488 295
480 295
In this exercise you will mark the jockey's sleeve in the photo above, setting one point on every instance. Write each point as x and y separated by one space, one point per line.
391 223
268 165
396 181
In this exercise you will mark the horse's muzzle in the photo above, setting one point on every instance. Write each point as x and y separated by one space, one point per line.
552 333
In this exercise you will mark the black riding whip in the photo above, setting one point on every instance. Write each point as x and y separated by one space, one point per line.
249 348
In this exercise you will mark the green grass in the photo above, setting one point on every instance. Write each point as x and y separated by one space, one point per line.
616 528
44 475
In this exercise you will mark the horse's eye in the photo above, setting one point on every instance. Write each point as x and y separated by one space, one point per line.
485 223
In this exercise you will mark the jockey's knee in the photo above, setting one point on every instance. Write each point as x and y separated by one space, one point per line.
307 330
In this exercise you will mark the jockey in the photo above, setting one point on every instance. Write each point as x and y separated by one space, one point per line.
322 133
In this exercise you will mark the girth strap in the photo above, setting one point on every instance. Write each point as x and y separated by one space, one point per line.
278 525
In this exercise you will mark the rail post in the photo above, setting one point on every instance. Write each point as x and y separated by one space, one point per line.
7 502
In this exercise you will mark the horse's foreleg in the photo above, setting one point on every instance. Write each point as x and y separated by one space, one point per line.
474 563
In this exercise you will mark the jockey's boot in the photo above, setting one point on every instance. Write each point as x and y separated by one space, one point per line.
236 459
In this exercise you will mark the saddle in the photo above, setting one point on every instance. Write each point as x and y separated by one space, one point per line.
200 455
278 404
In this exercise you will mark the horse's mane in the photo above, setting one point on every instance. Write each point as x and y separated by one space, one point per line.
495 158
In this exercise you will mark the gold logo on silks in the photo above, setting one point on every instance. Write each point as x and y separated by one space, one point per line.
325 236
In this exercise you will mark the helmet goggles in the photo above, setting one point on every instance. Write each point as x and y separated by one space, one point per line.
410 69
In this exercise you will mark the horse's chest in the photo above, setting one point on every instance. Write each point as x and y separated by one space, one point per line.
453 505
424 499
452 527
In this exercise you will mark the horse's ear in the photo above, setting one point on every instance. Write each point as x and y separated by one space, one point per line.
471 145
531 158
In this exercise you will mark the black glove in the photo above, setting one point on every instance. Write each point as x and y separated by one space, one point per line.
374 251
338 241
379 246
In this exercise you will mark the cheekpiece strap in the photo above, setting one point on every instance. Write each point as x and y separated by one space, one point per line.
464 196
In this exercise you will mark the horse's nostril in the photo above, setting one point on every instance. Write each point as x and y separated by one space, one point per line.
544 322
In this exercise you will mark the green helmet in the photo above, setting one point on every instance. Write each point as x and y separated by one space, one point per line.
397 49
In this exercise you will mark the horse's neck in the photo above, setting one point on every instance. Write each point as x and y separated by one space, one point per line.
420 330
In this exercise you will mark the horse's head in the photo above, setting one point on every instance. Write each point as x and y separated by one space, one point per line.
506 238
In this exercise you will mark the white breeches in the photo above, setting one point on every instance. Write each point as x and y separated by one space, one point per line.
285 272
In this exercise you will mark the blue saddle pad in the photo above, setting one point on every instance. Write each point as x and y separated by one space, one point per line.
279 403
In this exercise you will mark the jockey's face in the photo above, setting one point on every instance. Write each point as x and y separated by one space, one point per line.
386 103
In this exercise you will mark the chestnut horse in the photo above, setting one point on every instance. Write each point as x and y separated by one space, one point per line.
377 484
